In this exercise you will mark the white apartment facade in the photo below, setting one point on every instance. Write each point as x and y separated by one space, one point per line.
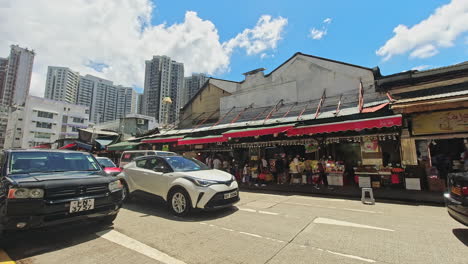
43 121
17 77
163 78
61 84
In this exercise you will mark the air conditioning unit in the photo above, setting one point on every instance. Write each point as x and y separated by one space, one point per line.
140 122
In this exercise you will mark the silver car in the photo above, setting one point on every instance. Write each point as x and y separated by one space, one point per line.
183 183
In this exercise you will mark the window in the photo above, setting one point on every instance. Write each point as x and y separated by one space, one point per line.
42 135
140 163
44 125
27 162
74 129
45 114
78 120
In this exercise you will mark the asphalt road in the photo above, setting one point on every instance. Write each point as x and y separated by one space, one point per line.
262 228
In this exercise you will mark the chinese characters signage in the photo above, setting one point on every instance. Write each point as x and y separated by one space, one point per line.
441 122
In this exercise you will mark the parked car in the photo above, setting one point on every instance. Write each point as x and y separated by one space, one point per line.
183 183
47 187
109 167
128 156
456 199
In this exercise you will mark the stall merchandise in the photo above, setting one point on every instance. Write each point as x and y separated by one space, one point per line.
378 176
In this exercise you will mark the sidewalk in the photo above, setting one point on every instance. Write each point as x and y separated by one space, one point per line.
354 192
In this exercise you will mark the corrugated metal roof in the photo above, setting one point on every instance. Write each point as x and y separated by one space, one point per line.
430 97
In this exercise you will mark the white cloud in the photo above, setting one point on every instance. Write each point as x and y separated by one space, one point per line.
425 51
317 33
424 39
327 20
421 67
265 35
112 39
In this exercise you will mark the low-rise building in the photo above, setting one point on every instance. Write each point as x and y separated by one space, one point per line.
130 126
43 121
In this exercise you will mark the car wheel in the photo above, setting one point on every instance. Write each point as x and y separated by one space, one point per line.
125 193
108 220
179 202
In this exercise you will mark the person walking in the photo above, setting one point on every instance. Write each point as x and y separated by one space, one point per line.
322 177
217 164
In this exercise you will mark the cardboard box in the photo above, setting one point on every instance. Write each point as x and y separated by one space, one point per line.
375 184
413 184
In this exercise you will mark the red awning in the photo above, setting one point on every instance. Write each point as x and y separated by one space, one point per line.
258 131
43 146
202 140
374 108
162 140
69 146
356 125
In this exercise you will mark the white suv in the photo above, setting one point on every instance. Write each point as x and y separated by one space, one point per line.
183 183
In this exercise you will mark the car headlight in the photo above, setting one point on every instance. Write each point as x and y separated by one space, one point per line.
24 193
115 185
201 182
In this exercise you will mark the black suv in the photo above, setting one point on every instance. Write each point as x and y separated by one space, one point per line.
46 187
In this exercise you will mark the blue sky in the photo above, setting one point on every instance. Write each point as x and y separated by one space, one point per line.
113 38
358 29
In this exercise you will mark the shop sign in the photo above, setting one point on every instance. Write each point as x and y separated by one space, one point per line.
198 147
370 146
441 122
370 152
165 148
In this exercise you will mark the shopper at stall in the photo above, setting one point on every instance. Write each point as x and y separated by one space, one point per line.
226 164
217 164
294 169
209 161
308 166
280 166
246 174
322 177
464 158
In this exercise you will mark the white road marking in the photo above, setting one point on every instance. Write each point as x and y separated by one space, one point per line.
351 256
137 246
268 213
318 199
363 211
227 229
247 210
328 221
250 234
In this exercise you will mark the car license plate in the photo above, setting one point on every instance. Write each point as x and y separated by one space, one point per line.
81 205
230 195
456 190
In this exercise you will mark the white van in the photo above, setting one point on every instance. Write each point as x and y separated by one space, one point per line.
128 156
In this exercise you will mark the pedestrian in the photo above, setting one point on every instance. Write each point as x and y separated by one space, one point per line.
279 166
464 158
308 166
226 165
246 174
209 161
322 177
294 169
217 164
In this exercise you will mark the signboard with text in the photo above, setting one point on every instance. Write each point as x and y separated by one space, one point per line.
441 122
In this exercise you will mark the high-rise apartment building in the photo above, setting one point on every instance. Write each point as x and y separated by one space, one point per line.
17 76
106 101
62 84
163 79
140 104
191 86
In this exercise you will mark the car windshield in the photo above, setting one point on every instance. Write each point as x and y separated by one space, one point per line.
106 162
181 164
29 162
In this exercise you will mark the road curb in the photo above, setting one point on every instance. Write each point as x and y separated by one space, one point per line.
416 199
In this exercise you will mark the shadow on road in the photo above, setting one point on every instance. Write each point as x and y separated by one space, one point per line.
25 244
461 234
149 205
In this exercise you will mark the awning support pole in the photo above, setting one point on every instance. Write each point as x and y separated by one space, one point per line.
221 119
361 97
204 120
289 110
339 105
274 110
319 107
241 112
